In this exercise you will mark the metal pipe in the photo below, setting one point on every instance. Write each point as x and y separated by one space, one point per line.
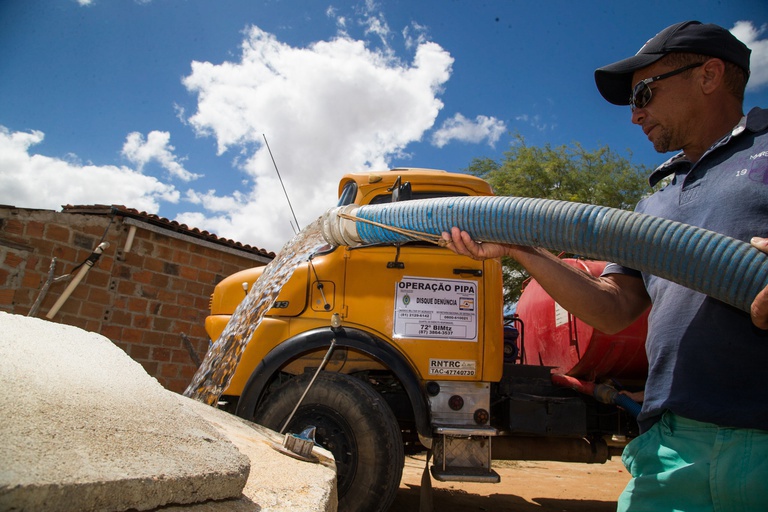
95 255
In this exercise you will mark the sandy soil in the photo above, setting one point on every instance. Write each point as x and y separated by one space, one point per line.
525 487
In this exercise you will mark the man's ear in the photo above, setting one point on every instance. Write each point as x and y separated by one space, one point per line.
712 75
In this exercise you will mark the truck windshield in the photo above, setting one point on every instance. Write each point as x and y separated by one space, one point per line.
387 198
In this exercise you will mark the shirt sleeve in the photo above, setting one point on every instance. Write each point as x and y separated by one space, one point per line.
615 268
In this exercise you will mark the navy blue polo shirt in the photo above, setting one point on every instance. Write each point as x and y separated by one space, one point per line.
707 362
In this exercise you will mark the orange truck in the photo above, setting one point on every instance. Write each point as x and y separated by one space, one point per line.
424 357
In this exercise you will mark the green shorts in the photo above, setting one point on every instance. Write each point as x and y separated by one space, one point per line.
690 466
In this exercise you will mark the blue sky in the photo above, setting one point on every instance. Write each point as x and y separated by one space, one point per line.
162 105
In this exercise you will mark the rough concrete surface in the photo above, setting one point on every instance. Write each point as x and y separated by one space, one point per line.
277 482
85 428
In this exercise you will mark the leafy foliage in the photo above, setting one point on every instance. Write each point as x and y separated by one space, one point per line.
564 173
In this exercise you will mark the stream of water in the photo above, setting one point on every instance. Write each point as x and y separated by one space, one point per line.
214 374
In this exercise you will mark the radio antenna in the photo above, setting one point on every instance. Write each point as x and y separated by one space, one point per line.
281 183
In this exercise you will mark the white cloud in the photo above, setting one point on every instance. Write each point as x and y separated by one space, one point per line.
414 35
460 128
535 121
374 22
327 109
748 34
156 148
31 180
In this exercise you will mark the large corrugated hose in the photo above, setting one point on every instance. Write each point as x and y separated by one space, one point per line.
719 266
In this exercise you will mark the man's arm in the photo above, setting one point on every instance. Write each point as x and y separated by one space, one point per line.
759 308
610 303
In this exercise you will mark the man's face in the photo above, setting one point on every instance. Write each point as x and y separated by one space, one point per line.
665 118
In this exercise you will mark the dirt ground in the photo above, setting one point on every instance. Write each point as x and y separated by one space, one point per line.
525 487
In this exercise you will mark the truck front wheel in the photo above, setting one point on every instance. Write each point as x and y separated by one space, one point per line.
355 424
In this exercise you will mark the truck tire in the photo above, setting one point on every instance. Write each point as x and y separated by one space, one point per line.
355 424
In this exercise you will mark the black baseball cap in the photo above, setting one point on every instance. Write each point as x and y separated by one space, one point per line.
614 81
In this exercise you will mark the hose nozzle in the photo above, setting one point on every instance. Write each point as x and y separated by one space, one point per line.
338 230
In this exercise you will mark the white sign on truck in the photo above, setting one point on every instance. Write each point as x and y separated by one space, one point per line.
435 309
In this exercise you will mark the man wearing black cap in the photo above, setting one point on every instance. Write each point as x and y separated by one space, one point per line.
704 419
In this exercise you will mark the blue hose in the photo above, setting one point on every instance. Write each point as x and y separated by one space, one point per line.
629 405
719 266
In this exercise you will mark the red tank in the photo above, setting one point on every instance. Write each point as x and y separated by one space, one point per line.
553 337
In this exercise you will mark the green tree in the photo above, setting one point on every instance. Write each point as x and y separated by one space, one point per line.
565 173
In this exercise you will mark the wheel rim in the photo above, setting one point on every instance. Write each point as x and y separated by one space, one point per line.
334 434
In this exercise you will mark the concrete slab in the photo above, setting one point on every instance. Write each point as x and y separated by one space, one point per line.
85 428
277 482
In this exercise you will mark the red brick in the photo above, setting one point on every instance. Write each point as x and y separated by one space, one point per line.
167 296
169 371
92 310
66 256
6 297
113 332
162 324
150 367
170 339
120 317
170 311
34 229
144 246
181 356
97 231
131 335
126 288
194 315
137 305
197 261
13 260
4 275
176 385
206 277
142 276
98 278
141 321
188 371
164 253
154 308
186 300
139 352
198 331
178 284
160 354
93 326
31 279
160 280
154 265
135 260
99 295
13 227
181 257
57 233
189 273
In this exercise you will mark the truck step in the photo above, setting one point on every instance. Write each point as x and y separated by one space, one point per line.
463 474
464 455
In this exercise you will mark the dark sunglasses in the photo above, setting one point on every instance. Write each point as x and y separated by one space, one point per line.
641 92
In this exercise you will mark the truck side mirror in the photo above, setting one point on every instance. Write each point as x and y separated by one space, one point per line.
401 191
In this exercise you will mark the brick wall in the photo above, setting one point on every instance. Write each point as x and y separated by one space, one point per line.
151 299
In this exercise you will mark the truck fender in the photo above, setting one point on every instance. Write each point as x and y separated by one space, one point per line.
357 339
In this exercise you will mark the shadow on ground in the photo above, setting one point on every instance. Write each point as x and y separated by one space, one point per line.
455 500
